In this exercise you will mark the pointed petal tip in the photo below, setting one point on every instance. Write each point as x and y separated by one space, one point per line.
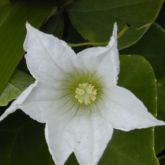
30 32
156 122
160 123
28 25
113 38
59 155
115 29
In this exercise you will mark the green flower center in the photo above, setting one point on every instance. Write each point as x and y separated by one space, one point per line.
85 93
83 89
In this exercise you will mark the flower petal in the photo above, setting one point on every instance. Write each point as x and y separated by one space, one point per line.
47 56
38 105
40 102
104 60
91 134
46 102
84 133
60 142
126 112
15 104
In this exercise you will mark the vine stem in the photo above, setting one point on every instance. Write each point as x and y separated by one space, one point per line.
87 44
120 34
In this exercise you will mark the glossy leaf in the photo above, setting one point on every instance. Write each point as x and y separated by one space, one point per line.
135 147
94 19
12 32
16 85
152 46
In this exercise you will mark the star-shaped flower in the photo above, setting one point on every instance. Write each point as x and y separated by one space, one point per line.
77 97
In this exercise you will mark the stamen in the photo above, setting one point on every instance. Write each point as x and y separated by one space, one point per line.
85 93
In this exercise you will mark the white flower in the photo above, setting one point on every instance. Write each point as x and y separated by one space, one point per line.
77 97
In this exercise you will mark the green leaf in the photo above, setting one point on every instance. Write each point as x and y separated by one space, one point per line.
135 147
152 46
23 142
94 19
160 132
16 85
12 33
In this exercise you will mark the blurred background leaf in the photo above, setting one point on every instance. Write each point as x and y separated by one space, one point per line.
94 19
12 33
16 85
152 47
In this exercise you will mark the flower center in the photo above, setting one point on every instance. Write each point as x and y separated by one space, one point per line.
85 93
